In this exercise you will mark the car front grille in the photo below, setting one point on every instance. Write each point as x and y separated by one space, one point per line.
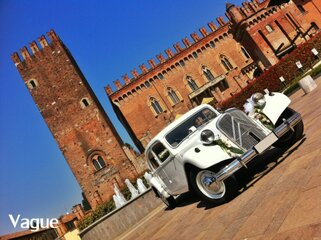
240 129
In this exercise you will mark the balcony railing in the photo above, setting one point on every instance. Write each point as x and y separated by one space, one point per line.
206 86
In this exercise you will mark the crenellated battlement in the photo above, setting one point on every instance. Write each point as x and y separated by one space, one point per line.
170 53
26 55
247 9
256 19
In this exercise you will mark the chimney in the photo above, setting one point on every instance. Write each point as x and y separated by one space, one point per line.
160 57
15 58
108 90
186 42
143 68
212 26
118 84
203 31
53 36
195 37
43 41
25 53
126 78
178 47
152 63
220 20
169 53
135 73
34 47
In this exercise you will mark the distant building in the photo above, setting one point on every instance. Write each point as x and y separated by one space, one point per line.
68 223
42 234
214 65
66 228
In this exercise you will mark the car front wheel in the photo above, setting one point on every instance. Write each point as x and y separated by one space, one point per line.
217 192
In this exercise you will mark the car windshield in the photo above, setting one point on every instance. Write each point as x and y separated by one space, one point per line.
182 131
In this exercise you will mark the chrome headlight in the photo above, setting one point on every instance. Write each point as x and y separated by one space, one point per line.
258 100
208 137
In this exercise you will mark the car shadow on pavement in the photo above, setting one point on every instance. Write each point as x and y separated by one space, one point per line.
186 199
258 169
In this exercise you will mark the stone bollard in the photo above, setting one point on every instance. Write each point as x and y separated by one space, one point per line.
307 84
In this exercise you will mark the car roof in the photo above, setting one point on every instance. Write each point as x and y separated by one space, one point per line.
177 122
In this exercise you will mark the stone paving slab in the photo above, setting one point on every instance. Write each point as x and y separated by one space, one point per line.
280 196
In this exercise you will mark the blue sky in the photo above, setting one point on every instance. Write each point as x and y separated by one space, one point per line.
107 39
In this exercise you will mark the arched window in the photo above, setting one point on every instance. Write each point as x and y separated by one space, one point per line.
173 96
315 26
182 63
245 53
208 74
84 102
147 84
98 162
160 76
191 83
32 84
269 28
156 106
226 63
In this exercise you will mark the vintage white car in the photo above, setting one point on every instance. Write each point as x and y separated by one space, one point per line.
203 149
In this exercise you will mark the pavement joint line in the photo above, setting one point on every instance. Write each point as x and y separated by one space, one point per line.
152 214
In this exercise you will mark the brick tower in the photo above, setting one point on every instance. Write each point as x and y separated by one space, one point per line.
77 121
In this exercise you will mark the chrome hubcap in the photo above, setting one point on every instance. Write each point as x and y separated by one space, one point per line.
208 185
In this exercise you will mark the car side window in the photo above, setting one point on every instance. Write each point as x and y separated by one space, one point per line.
161 151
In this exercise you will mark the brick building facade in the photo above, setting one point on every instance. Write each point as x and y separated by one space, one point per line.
86 137
216 64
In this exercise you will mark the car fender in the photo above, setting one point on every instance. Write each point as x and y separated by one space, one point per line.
275 105
202 156
155 182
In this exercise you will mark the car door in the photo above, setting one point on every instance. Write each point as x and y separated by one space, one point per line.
168 171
